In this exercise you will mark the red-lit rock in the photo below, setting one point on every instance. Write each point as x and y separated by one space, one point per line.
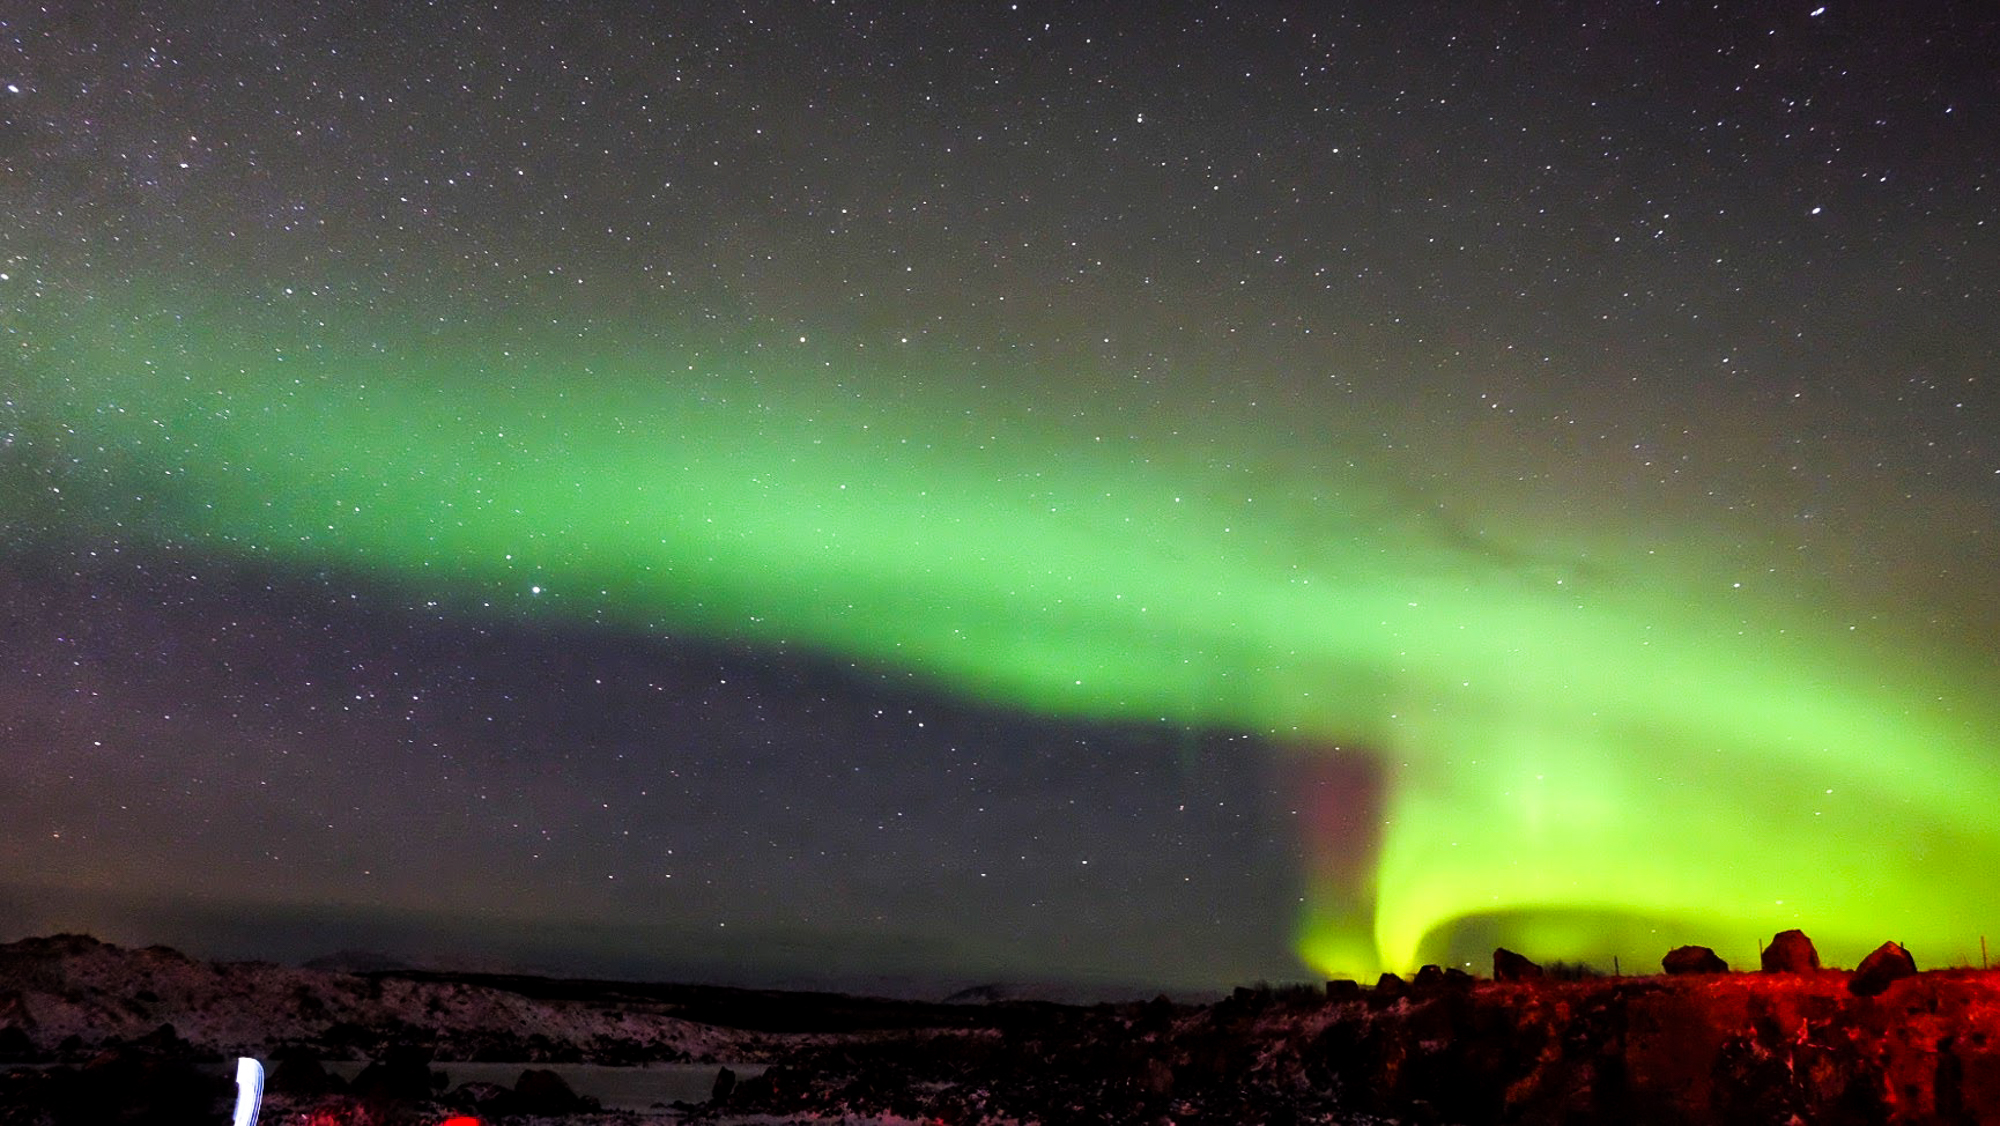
1693 960
1888 964
1790 952
1509 966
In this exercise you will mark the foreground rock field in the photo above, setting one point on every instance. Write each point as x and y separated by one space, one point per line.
1740 1049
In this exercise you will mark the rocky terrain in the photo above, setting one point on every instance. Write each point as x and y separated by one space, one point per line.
1794 1043
1734 1049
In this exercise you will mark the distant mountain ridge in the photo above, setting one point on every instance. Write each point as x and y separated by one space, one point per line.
356 962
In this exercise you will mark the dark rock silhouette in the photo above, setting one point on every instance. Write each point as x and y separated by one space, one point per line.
1791 952
301 1074
1156 1077
1509 966
128 1085
488 1100
1343 989
1888 964
541 1091
165 1041
725 1085
403 1072
1693 960
1156 1015
15 1044
1433 979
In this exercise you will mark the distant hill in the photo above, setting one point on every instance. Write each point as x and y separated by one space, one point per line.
74 990
78 990
356 962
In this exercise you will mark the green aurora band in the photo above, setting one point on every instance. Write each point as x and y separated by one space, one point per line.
1569 757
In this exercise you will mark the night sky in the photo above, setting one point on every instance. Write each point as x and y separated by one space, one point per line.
855 493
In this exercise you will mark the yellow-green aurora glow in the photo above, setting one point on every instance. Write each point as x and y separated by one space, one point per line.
1567 750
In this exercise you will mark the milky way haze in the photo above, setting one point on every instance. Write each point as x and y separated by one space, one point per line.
1007 491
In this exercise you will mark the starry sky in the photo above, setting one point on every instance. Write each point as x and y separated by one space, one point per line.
859 494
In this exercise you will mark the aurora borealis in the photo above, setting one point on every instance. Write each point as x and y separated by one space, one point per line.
1591 584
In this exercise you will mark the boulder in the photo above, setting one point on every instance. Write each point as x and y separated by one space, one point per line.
16 1044
1791 952
1509 966
137 1085
1693 960
1888 964
1432 979
402 1072
725 1086
165 1041
303 1076
488 1099
1156 1077
541 1091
